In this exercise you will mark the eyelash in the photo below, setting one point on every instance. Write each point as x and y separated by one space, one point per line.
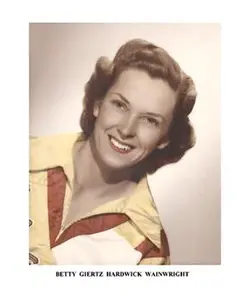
152 121
119 104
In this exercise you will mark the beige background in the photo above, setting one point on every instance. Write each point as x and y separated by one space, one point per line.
187 194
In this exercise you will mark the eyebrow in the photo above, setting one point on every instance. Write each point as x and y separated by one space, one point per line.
147 113
123 98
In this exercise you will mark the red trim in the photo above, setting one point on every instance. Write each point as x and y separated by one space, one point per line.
163 251
149 250
145 247
56 195
91 225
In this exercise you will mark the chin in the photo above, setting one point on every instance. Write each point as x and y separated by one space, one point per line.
116 164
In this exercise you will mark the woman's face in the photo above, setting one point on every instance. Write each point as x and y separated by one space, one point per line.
133 119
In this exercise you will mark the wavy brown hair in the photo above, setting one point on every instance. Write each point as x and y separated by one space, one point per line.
146 56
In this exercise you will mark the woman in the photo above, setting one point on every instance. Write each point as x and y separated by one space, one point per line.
89 198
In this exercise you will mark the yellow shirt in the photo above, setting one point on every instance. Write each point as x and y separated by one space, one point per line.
125 231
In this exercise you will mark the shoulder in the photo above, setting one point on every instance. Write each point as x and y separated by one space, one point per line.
51 150
52 140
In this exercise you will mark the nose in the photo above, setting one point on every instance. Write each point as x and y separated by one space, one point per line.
127 128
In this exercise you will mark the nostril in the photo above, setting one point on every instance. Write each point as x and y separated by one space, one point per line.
125 133
127 126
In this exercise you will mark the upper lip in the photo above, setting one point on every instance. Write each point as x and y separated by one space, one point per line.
121 142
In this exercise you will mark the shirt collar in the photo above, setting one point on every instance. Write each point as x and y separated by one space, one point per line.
53 151
48 152
142 211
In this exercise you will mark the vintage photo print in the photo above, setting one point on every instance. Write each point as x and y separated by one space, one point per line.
124 144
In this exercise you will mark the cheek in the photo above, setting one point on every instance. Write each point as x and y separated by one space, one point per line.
148 138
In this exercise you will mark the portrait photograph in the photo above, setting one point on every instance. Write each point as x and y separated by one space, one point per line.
124 144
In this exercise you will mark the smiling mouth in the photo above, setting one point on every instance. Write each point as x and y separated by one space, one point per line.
119 146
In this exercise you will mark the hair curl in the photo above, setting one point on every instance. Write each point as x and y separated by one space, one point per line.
157 63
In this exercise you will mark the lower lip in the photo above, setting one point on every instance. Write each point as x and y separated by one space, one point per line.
118 149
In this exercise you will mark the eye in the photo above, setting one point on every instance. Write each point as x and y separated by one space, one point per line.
119 104
151 121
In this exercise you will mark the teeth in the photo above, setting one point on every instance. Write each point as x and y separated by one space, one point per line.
120 146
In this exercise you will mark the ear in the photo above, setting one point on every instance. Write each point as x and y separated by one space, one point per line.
162 145
96 108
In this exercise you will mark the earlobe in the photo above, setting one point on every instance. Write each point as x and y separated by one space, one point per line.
96 109
162 145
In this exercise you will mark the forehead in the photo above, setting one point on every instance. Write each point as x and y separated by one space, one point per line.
144 92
